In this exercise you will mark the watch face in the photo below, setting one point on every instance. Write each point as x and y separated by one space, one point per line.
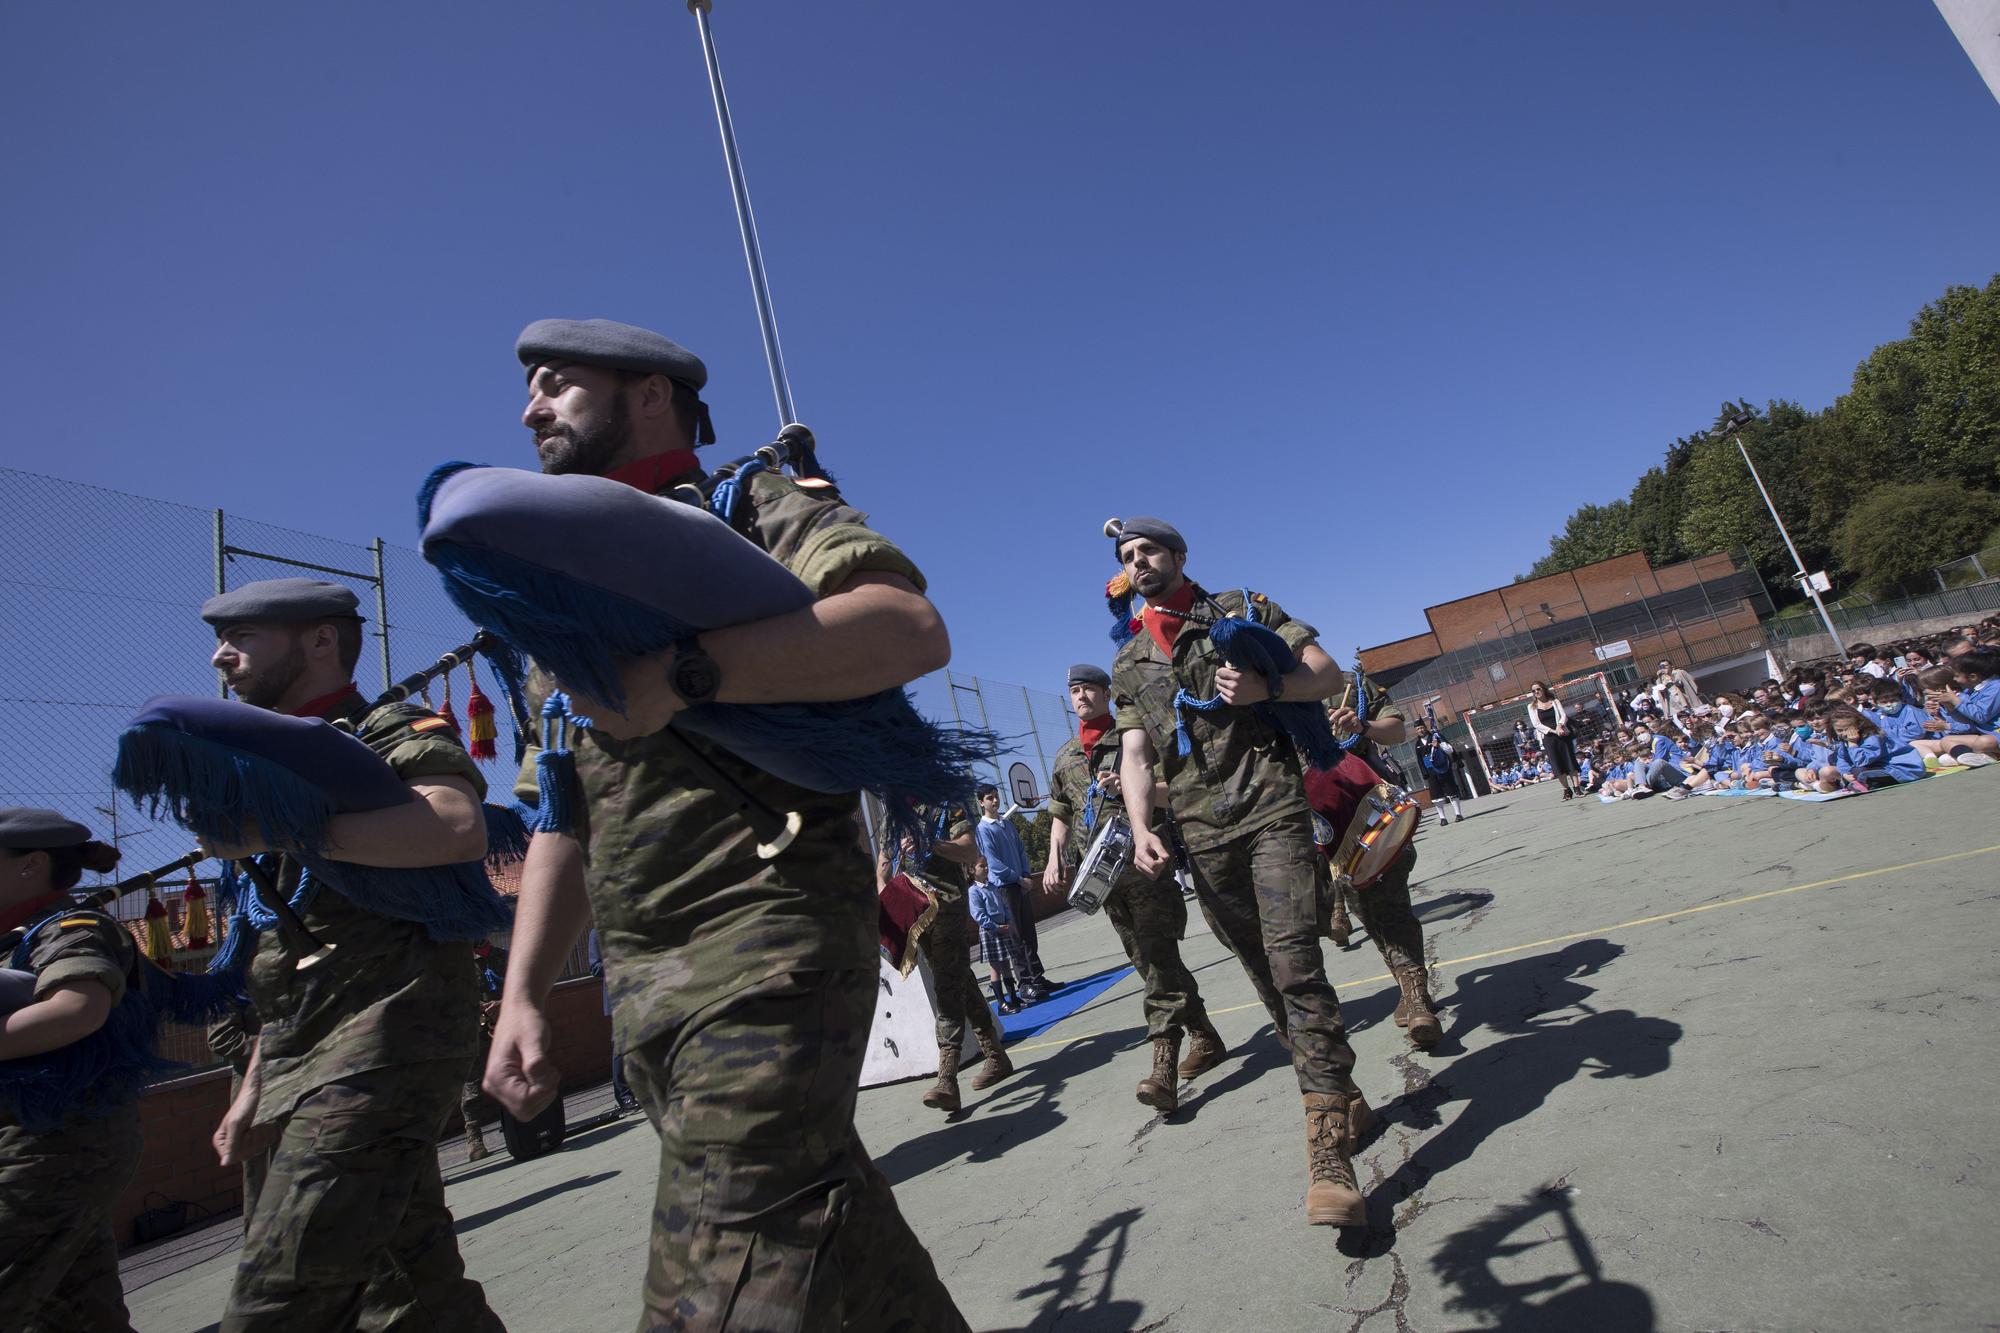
695 677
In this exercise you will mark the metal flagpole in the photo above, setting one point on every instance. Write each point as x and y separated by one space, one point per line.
746 221
1735 429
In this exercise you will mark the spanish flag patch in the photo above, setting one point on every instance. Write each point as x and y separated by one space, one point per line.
430 724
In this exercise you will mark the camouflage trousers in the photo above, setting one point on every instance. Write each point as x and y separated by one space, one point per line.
58 1254
345 1224
1384 909
947 947
769 1215
1260 895
1150 917
472 1096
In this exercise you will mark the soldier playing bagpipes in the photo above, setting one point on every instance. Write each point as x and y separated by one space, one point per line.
1148 914
359 1057
741 953
1218 694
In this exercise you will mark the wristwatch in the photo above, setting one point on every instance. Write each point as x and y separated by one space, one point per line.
693 674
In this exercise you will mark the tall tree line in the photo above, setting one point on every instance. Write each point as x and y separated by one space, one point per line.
1899 475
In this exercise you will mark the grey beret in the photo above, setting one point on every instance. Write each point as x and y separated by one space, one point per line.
1087 673
606 342
1153 529
282 600
26 830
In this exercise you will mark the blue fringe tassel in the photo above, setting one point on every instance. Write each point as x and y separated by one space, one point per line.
555 770
506 834
1121 620
211 789
451 902
1249 646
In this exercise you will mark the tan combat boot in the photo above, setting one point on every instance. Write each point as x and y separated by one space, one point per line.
943 1096
997 1065
474 1141
1333 1126
1205 1051
1413 1011
1342 929
1157 1088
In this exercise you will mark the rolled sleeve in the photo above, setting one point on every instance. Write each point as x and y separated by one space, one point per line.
830 556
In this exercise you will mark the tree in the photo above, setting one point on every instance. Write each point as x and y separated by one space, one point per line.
1896 534
1593 533
1934 397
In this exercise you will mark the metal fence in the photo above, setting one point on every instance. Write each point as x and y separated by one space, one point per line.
1979 567
1963 604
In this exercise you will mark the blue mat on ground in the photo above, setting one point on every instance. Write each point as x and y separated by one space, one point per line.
1035 1019
1736 791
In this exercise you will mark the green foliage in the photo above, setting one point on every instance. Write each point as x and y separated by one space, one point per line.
1896 534
1035 837
1925 408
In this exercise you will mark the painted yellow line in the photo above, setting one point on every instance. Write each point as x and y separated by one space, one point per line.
1592 934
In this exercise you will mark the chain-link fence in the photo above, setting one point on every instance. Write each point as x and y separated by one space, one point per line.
1979 567
1031 724
1962 605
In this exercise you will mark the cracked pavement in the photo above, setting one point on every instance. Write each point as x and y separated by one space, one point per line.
1767 1115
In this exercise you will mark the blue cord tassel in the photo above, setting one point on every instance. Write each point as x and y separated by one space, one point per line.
728 492
1249 646
555 769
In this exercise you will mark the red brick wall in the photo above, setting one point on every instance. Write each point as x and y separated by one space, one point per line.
177 1118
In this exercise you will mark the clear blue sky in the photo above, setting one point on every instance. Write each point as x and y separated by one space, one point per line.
1366 297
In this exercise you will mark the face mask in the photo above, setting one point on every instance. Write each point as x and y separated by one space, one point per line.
1802 732
1893 708
1808 688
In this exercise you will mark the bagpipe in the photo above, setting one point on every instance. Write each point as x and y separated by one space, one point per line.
97 1074
578 572
1245 644
215 765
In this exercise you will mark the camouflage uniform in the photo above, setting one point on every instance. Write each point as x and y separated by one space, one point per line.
947 946
1384 906
742 992
361 1059
1239 800
1150 916
58 1252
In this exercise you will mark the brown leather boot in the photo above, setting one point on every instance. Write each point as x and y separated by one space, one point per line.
943 1096
1205 1052
1157 1089
1342 929
1413 1011
475 1142
1333 1199
997 1065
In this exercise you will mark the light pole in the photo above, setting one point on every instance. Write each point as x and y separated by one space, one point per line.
1734 429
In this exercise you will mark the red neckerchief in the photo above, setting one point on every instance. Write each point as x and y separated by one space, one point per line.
1165 617
11 917
327 704
652 474
1091 732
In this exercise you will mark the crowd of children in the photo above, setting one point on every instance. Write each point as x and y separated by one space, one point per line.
1877 717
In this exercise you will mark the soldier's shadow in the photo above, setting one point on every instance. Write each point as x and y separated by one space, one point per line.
1579 1300
1556 1036
1017 1110
1066 1304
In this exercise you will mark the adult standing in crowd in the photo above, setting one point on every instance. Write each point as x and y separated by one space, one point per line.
742 986
1550 720
1434 756
1149 915
1238 795
1674 690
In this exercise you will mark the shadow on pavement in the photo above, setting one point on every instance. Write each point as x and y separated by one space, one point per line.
1509 1080
1017 1110
1465 1262
1065 1303
473 1221
1450 906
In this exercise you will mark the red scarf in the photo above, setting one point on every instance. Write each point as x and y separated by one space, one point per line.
1093 731
652 474
1165 617
19 913
327 704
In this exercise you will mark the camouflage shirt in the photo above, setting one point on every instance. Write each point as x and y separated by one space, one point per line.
1240 773
80 945
1069 795
389 994
686 911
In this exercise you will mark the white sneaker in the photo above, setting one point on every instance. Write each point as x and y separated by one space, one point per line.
1973 759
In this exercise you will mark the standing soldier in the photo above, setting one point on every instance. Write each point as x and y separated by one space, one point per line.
59 1182
1238 797
1384 906
947 946
1149 915
742 988
358 1060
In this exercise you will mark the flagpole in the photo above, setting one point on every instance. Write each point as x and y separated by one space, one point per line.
746 221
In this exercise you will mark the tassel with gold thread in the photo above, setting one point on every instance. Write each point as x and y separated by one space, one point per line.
481 731
158 943
194 919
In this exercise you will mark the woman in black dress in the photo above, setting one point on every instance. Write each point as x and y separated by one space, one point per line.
1551 724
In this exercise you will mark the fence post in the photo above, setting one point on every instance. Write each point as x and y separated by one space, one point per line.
1035 727
221 587
382 612
1977 568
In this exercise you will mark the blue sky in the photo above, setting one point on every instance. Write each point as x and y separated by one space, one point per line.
1367 298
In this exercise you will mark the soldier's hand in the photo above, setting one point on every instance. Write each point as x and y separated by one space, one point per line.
1240 688
650 702
1150 853
1112 788
1346 722
1052 877
237 1139
519 1074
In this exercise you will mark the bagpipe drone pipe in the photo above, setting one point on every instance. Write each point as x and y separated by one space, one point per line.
578 572
215 766
95 1075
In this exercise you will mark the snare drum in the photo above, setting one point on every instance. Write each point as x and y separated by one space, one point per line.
1110 853
1381 828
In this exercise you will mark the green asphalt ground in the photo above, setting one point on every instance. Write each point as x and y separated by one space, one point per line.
1708 1065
